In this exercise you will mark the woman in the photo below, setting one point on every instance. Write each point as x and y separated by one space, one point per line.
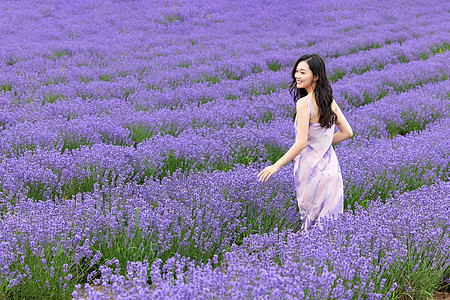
317 175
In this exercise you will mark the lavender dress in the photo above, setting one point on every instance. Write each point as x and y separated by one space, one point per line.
317 176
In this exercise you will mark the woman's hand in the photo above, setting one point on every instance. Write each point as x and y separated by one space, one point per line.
267 172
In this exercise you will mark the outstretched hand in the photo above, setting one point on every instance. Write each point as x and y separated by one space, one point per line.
267 172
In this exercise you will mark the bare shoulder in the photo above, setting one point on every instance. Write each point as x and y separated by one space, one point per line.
334 106
301 108
302 103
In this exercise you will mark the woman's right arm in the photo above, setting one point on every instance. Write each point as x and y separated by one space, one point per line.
345 131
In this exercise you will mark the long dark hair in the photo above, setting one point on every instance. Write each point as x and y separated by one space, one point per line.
322 91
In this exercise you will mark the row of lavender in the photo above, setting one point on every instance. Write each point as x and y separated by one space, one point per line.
217 149
90 63
50 87
118 122
197 216
46 173
400 247
67 80
87 128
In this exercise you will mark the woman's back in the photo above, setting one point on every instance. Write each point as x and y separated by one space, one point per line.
313 109
319 138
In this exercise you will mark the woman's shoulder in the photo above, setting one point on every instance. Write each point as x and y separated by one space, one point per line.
302 102
303 98
334 105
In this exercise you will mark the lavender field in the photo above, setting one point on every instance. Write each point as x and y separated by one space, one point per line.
132 133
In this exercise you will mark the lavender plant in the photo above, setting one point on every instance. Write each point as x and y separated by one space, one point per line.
383 252
131 134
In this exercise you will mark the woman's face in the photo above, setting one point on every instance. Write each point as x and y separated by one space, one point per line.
304 76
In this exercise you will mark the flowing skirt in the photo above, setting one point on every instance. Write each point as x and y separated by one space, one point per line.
318 186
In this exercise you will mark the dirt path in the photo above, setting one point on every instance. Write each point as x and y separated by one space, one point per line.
441 296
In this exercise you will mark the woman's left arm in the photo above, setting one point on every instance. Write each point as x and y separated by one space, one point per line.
300 142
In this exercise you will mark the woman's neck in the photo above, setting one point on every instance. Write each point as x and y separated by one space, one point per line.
310 89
